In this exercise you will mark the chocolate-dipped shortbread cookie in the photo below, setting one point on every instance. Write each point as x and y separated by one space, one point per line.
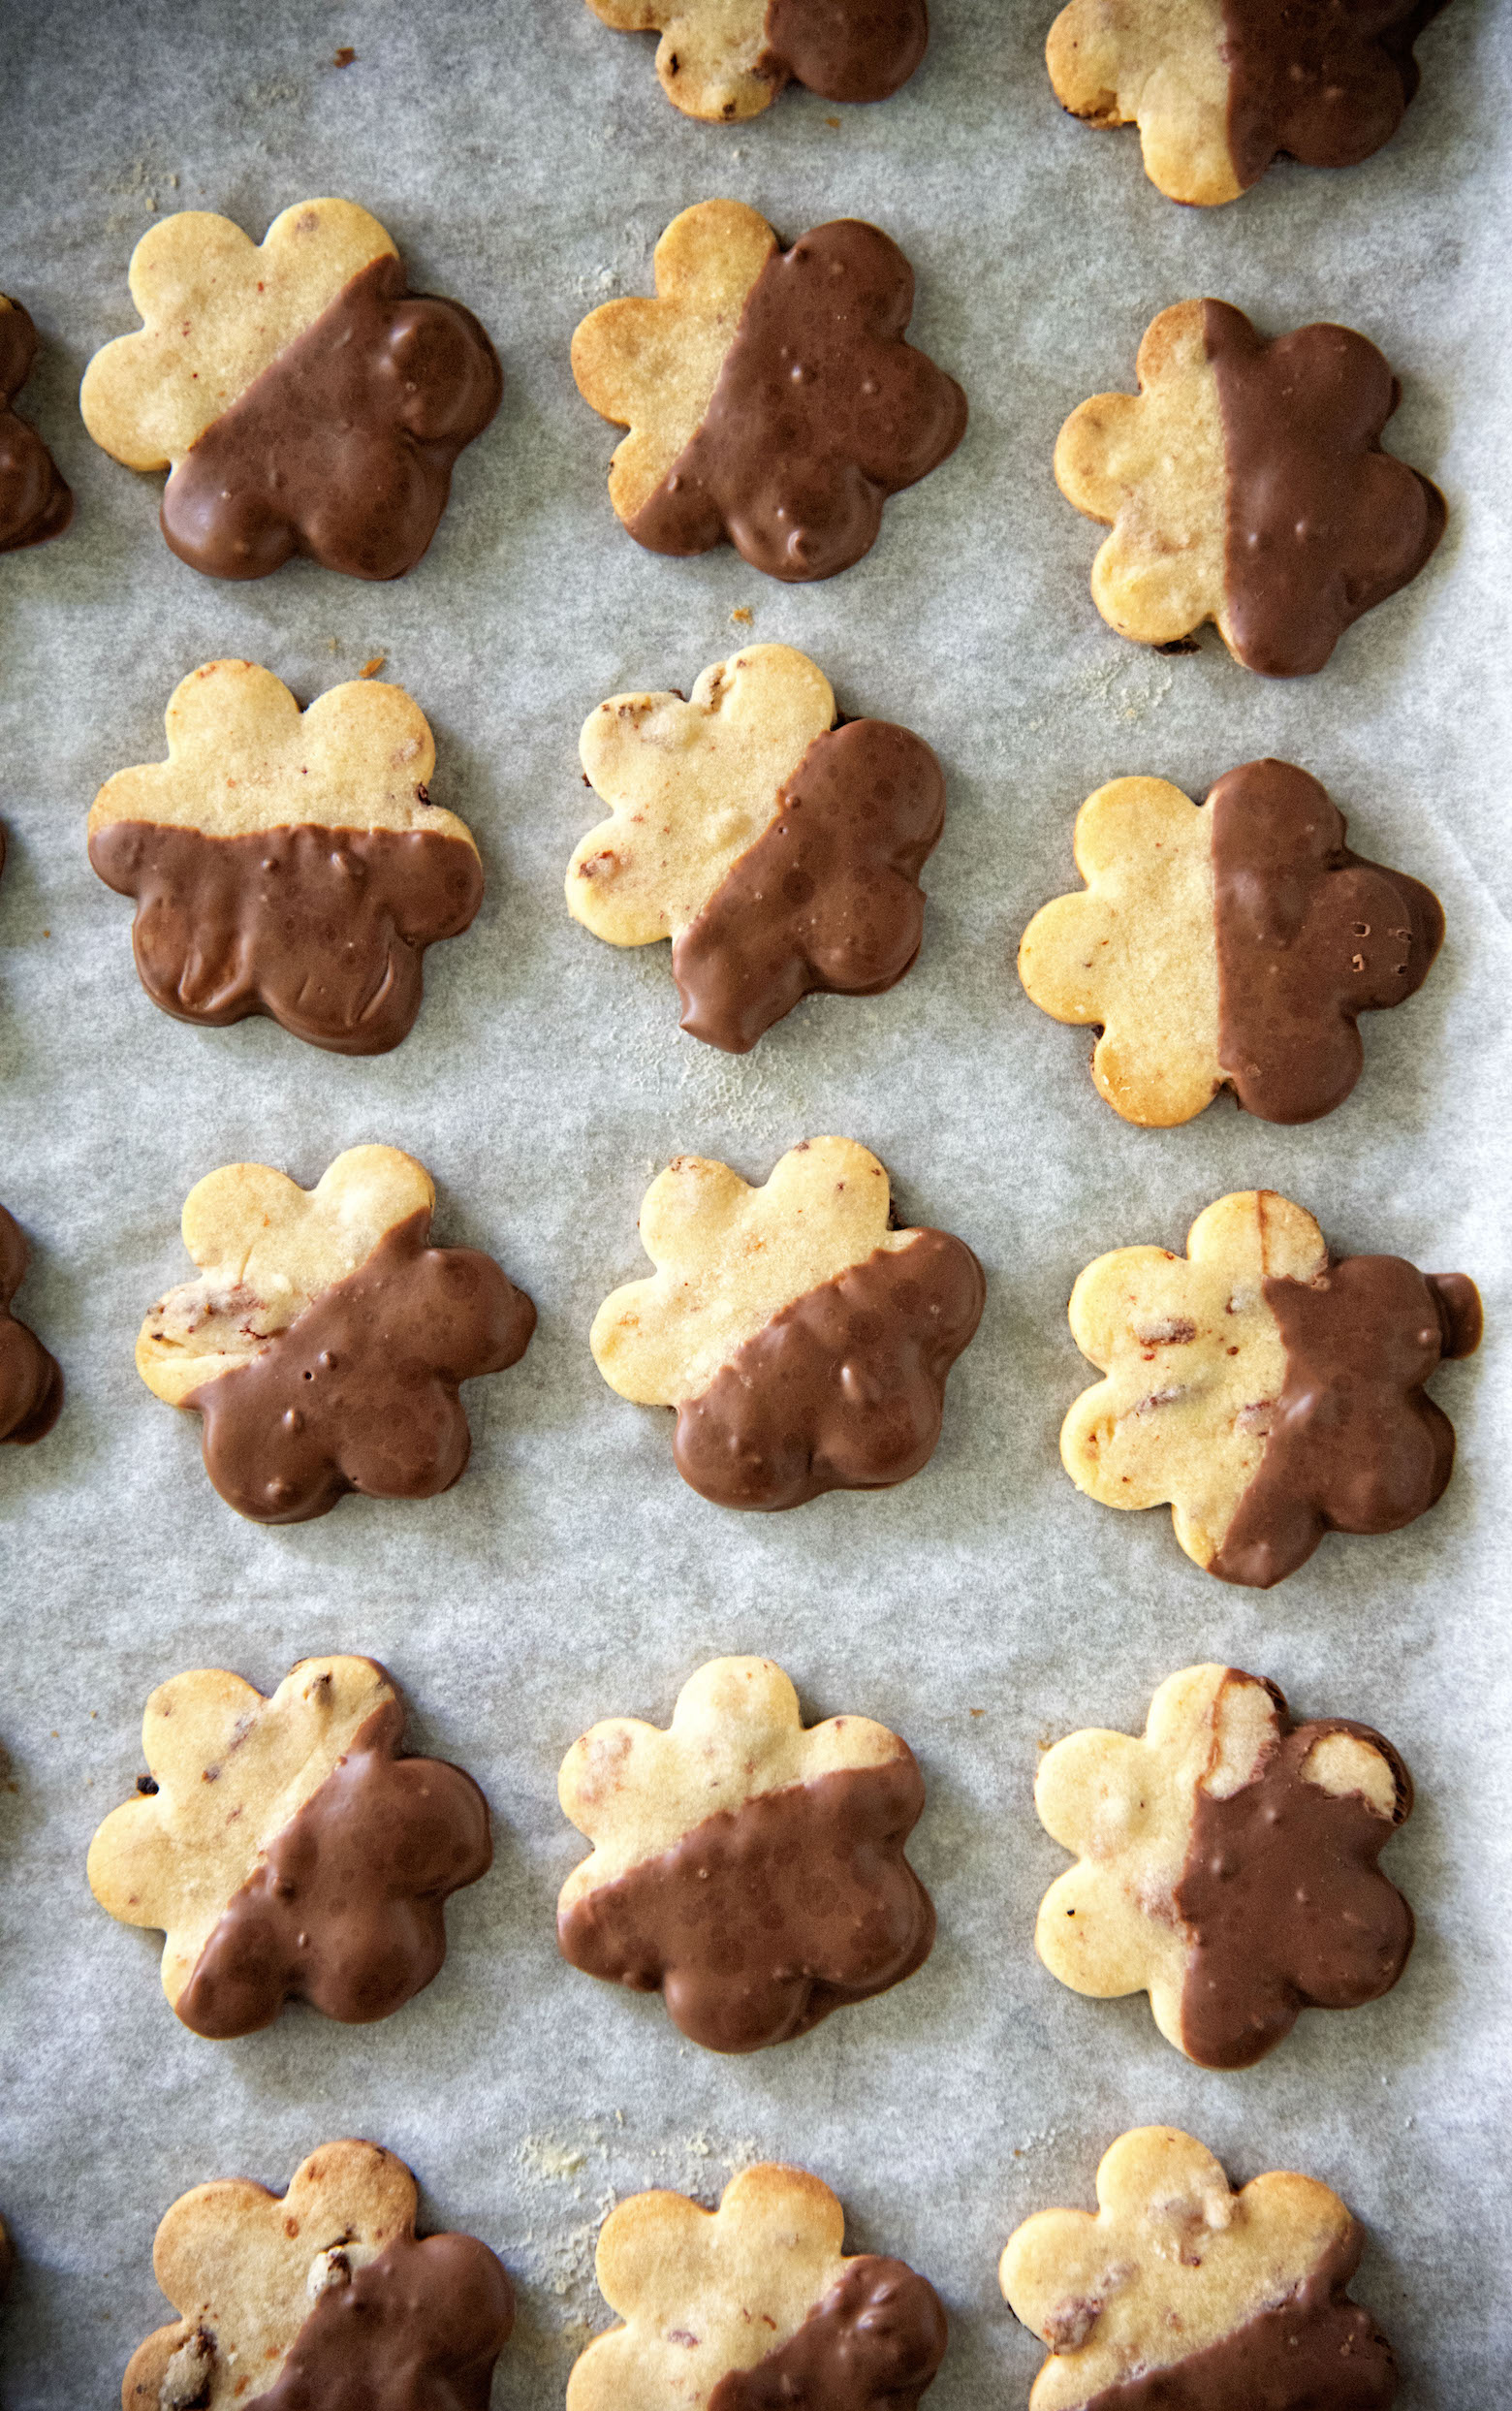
723 60
31 1380
288 862
749 1871
34 503
323 2295
772 400
779 852
1219 87
1246 483
302 397
754 2305
1226 1864
1265 1392
1230 945
1180 2295
803 1342
287 1849
325 1340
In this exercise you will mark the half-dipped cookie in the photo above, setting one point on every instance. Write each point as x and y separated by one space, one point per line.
34 503
802 1341
1268 1393
287 1848
778 851
288 862
750 1871
772 400
301 396
725 61
31 1380
1228 945
325 1340
1246 484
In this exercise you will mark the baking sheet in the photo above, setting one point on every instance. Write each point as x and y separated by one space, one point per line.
524 161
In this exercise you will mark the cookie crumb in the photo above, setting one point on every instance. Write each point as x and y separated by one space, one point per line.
742 614
834 121
370 669
345 56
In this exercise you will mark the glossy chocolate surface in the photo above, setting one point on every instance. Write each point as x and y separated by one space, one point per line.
322 929
844 49
34 503
343 447
765 1918
820 412
873 2343
360 1391
31 1382
844 1389
1353 1444
1309 934
345 1910
1326 80
1321 524
418 2328
828 897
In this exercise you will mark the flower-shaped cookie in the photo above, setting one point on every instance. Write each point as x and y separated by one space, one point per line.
288 862
1267 1394
772 400
287 1850
803 1342
779 853
1218 87
1246 484
1226 1864
1229 946
754 2305
302 398
322 2294
1182 2292
325 1339
750 1871
721 61
34 503
31 1382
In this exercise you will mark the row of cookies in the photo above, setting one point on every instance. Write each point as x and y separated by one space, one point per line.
1268 1392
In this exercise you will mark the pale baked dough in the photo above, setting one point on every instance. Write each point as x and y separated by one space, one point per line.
1157 64
706 60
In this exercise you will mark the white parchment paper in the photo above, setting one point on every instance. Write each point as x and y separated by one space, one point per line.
524 159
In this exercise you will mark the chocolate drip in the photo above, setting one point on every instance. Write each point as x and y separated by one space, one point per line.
1316 2351
360 1391
842 1390
873 2343
34 503
828 897
343 447
1325 79
345 1910
821 410
844 49
1309 934
1320 524
766 1916
1286 1903
324 930
418 2328
31 1382
1353 1444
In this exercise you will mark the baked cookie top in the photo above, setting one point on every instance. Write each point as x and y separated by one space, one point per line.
34 503
726 61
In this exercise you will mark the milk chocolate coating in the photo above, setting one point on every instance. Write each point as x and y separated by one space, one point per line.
1309 934
343 447
821 410
31 1382
360 1391
34 503
418 2328
322 929
828 897
765 1918
844 49
1325 79
1320 524
1287 1907
1353 1444
873 2343
842 1390
345 1910
1317 2351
